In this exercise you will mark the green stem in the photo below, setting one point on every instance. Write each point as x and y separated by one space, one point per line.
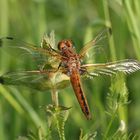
54 94
133 25
108 23
110 124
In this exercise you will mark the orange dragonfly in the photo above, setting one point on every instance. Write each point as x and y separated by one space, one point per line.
65 63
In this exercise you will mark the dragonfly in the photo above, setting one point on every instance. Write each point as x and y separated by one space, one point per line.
65 63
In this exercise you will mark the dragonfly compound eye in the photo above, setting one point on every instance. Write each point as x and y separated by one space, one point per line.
65 44
61 45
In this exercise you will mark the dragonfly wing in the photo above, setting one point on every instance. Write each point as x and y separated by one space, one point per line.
40 80
95 43
126 66
42 56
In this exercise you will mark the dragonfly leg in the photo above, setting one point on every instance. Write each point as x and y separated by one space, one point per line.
42 67
60 64
57 69
82 71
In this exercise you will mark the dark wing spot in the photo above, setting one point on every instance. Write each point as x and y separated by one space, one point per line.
1 40
1 80
11 38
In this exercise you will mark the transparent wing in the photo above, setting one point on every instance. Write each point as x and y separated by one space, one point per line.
95 43
126 66
40 80
41 56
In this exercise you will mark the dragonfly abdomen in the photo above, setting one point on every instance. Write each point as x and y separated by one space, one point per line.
76 84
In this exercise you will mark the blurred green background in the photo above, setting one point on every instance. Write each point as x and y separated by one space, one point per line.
80 21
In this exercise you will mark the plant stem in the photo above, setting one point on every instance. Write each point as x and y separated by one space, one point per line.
54 94
108 23
110 123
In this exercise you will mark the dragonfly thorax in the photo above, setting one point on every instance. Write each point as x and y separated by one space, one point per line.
70 64
71 59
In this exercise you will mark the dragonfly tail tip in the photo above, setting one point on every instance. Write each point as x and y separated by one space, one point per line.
89 117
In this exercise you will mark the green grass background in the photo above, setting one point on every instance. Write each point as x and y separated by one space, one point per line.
80 21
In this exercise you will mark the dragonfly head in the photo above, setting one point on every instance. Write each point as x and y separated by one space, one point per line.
65 44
